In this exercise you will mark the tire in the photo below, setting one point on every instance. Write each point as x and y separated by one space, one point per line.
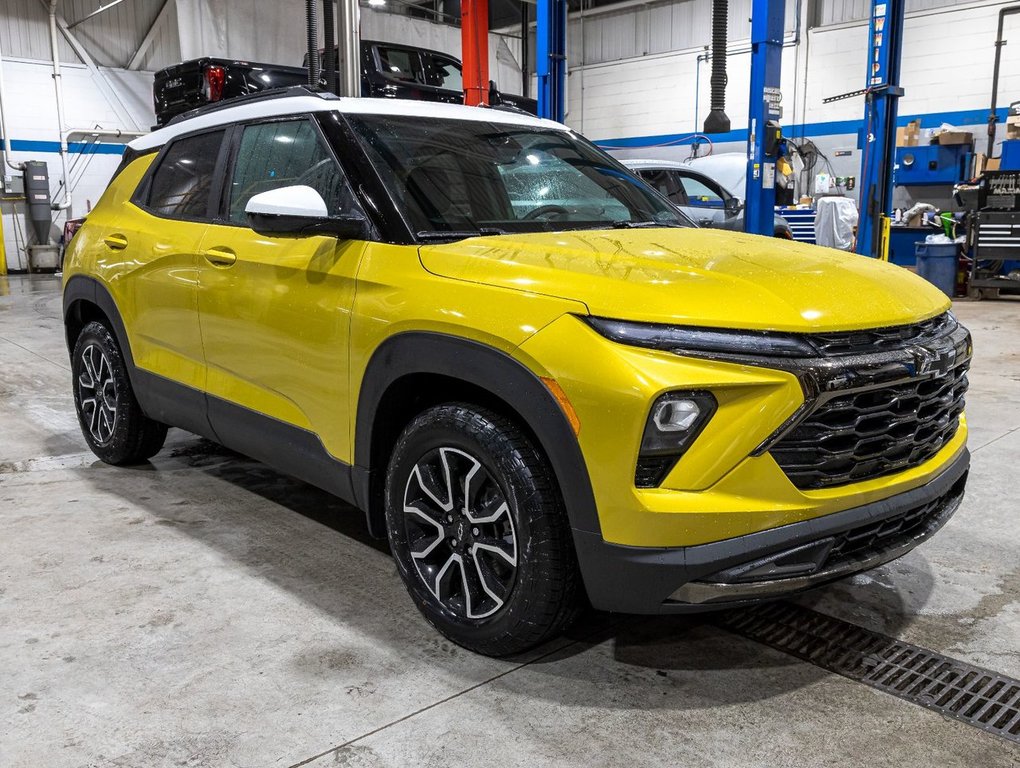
499 575
111 421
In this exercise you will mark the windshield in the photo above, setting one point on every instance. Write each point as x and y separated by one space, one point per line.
456 178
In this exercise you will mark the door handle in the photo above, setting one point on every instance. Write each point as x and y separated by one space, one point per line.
220 257
115 242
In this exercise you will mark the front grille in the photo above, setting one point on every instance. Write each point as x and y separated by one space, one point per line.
881 339
873 432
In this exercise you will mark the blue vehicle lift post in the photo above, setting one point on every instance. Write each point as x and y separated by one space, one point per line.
551 58
764 136
878 139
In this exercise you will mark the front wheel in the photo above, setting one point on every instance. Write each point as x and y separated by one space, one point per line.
112 422
478 530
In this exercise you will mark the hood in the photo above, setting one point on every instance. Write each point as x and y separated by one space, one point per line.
703 277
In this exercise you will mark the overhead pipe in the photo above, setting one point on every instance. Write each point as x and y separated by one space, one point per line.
329 46
312 27
3 123
113 133
717 121
999 42
58 88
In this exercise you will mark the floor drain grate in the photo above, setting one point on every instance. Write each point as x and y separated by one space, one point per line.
973 695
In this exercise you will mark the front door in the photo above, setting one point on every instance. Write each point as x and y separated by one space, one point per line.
706 202
275 310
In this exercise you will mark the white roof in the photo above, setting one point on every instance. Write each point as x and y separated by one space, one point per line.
299 104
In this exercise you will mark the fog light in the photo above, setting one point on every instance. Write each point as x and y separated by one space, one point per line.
675 415
674 423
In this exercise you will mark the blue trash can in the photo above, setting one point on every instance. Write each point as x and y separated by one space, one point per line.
936 263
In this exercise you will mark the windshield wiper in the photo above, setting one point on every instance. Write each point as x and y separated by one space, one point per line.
643 224
461 235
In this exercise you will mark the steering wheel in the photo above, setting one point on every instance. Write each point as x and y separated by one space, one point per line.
314 171
544 210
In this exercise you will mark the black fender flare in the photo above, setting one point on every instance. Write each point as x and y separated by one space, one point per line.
89 289
499 374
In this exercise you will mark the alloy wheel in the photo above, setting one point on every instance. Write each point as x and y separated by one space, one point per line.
461 533
97 394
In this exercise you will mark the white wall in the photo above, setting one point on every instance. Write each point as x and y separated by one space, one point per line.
947 64
32 120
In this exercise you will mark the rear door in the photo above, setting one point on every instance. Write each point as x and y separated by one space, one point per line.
275 310
160 233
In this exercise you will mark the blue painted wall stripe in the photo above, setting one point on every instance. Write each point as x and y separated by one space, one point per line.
807 130
22 145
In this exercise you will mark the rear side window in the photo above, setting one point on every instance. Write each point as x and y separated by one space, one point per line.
181 185
283 154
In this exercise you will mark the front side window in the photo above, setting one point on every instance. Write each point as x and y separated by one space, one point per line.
700 194
463 176
443 73
181 184
666 183
400 64
284 154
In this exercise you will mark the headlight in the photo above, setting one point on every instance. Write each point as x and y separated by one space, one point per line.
674 422
681 339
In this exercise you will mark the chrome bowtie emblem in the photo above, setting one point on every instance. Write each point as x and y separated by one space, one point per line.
927 361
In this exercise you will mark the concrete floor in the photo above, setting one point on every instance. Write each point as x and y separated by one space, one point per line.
205 611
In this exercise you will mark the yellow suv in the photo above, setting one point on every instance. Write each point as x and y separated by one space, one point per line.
539 380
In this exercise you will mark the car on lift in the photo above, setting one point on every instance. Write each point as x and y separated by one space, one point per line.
698 195
388 70
533 375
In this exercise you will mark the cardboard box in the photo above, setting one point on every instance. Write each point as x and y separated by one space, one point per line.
1013 127
954 137
992 164
977 166
909 134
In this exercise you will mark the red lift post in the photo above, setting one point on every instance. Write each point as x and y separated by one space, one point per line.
474 40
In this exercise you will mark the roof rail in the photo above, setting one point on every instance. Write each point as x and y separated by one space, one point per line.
266 95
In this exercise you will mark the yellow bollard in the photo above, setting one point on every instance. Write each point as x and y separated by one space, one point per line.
3 250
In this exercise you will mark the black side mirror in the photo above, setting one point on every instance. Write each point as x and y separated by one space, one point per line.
733 206
343 227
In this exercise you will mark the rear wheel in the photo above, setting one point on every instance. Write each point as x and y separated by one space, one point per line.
478 530
112 422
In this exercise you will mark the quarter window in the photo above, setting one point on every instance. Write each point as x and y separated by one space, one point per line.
181 185
284 154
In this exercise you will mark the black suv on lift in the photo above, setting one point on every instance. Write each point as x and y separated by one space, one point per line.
387 71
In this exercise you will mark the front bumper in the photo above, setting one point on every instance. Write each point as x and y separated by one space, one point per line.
746 568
